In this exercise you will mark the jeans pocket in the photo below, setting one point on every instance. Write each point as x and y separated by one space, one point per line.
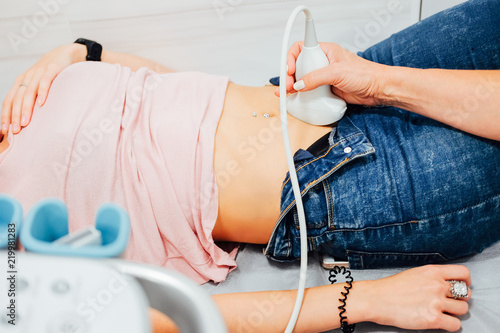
370 260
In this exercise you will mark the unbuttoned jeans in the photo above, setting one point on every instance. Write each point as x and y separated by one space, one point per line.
399 189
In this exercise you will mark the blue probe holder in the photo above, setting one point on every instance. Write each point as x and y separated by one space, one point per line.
47 221
11 212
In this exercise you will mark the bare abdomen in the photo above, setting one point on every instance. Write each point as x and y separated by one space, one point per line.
250 163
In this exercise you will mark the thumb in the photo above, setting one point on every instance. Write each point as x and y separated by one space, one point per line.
314 79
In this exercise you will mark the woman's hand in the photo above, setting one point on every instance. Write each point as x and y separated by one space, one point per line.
420 298
354 79
18 105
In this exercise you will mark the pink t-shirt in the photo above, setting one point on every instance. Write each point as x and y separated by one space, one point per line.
142 140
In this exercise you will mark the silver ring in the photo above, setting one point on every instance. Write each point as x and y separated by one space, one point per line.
23 85
458 289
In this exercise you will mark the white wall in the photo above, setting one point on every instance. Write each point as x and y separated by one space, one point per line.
240 38
430 7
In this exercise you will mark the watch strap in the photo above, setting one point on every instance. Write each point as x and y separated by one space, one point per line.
94 49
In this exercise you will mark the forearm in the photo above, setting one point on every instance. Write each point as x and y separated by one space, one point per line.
465 99
418 298
123 59
270 311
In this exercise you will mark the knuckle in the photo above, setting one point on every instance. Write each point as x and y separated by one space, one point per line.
439 287
433 319
15 114
5 105
52 67
465 308
437 306
26 109
30 91
15 108
444 288
453 326
465 271
16 102
44 82
312 77
431 270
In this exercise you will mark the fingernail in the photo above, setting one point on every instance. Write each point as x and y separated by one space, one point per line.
15 128
40 102
5 128
24 121
299 85
287 68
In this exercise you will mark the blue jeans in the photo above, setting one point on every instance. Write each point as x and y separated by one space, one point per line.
395 188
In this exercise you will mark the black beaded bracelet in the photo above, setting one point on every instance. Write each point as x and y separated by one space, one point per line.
346 328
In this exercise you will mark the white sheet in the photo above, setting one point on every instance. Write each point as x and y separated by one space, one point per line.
255 273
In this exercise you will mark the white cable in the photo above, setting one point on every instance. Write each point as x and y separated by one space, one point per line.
291 168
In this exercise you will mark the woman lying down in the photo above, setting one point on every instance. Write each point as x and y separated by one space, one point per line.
195 158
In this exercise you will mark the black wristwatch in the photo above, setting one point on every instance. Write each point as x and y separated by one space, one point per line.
94 49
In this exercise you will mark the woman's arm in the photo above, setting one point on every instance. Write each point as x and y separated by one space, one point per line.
465 99
418 298
128 60
35 83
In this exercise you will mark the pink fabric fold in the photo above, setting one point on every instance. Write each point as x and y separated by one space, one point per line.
142 140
